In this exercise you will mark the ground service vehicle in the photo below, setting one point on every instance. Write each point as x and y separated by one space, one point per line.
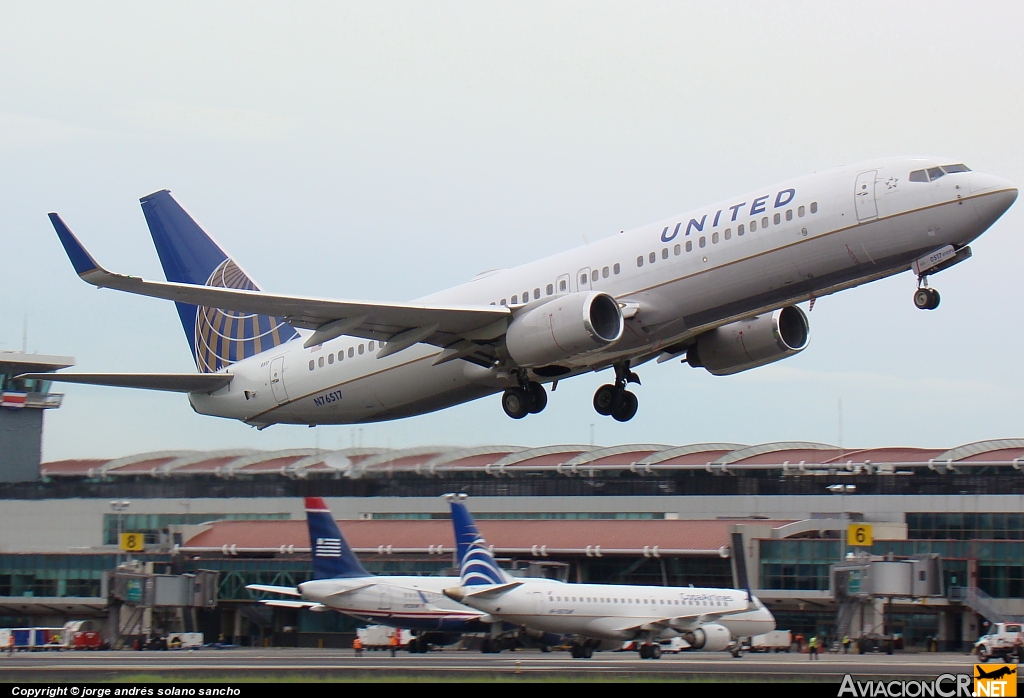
1003 641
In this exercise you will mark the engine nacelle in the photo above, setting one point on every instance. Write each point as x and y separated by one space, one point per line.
710 638
747 344
564 328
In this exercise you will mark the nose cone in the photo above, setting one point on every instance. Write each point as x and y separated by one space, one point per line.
982 182
992 195
455 593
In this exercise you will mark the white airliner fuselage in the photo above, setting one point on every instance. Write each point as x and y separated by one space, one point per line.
676 278
417 603
718 285
623 612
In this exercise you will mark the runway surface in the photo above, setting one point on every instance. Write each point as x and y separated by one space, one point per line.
341 664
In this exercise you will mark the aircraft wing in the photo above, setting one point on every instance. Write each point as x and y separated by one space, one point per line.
399 324
676 623
287 591
173 382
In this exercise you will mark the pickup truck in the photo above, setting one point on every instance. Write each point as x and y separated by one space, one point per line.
1003 641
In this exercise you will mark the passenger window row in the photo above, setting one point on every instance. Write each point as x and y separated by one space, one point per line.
328 359
741 230
563 286
661 602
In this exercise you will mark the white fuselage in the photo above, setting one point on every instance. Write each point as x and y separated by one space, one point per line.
405 602
679 277
623 612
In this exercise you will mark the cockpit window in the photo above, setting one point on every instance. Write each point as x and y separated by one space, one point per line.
918 176
935 172
952 169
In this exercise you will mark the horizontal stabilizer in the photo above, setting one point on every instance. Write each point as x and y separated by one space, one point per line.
173 382
287 591
311 605
488 592
351 590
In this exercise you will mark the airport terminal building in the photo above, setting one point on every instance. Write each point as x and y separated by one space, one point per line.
637 513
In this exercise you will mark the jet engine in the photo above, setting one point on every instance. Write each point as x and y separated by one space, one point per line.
564 328
746 344
710 638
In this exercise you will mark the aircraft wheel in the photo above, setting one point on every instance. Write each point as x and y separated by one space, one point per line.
516 403
655 651
588 652
627 408
645 651
607 399
575 652
926 298
538 397
736 652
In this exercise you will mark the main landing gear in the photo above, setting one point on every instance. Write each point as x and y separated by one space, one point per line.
650 650
581 651
615 400
925 298
529 397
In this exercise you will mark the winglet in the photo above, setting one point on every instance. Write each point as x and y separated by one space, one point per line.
81 260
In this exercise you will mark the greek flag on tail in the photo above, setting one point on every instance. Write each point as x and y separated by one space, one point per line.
476 563
218 338
332 558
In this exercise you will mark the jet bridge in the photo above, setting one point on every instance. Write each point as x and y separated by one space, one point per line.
865 587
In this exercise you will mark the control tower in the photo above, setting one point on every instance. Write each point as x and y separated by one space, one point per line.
21 412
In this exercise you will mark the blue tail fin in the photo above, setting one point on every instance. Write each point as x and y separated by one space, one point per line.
332 558
218 338
476 563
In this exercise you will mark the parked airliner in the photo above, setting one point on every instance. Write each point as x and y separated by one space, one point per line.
602 616
342 584
716 287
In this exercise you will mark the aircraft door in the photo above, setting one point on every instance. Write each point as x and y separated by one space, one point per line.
277 380
583 279
537 602
864 196
384 598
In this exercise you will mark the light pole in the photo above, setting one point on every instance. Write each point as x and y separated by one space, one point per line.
119 506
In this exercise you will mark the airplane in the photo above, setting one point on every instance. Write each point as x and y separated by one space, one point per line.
603 616
716 288
999 673
342 584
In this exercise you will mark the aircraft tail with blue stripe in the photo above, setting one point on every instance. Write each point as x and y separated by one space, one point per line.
477 566
332 557
218 338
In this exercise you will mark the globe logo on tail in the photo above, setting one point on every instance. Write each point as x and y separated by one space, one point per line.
224 336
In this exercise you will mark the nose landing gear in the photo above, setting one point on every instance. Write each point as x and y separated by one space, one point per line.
925 298
614 400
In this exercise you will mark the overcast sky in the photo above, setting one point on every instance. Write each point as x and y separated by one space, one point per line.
387 150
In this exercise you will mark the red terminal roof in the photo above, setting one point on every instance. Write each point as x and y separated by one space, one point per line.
611 534
359 462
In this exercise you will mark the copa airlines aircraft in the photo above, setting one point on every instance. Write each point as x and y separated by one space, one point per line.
718 286
342 584
602 616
